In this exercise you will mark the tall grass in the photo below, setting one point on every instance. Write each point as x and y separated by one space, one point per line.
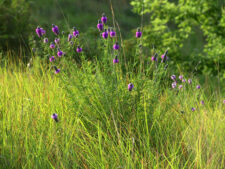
101 123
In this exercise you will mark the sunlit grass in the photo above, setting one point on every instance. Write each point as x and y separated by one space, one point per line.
102 124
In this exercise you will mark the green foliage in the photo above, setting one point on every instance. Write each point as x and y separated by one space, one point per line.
173 23
14 25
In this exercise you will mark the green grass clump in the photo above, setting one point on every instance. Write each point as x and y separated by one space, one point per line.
102 124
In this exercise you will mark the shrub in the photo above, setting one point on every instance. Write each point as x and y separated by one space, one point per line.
175 23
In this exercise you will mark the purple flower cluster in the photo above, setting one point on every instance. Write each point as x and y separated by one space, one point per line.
55 117
116 60
40 31
75 32
56 43
130 86
138 33
181 78
55 29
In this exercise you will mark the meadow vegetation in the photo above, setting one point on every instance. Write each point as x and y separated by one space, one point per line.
96 100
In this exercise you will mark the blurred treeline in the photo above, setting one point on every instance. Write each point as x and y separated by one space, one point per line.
19 18
193 31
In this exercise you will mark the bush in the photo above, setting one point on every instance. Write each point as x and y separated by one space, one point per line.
177 24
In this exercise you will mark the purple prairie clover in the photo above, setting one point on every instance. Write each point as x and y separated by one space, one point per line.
55 117
70 37
130 86
52 58
112 33
104 19
56 70
173 77
52 45
75 32
180 86
79 49
198 87
116 46
57 41
43 31
164 57
116 60
181 77
174 84
100 25
105 34
223 101
45 40
154 58
202 102
55 29
193 109
183 80
189 81
39 32
59 53
138 33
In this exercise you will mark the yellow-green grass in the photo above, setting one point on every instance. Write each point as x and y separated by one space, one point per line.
102 124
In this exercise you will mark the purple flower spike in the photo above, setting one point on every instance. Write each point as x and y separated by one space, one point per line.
174 85
138 33
39 31
164 57
75 32
59 53
57 40
198 87
105 34
181 77
79 49
52 45
43 31
55 117
130 86
116 46
183 80
56 70
202 102
100 25
193 109
116 60
70 37
173 77
154 58
104 18
181 86
189 81
55 29
112 33
52 59
45 40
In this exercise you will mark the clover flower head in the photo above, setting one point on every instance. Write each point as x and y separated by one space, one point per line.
100 26
116 46
116 60
55 29
55 117
138 33
130 86
52 58
104 18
